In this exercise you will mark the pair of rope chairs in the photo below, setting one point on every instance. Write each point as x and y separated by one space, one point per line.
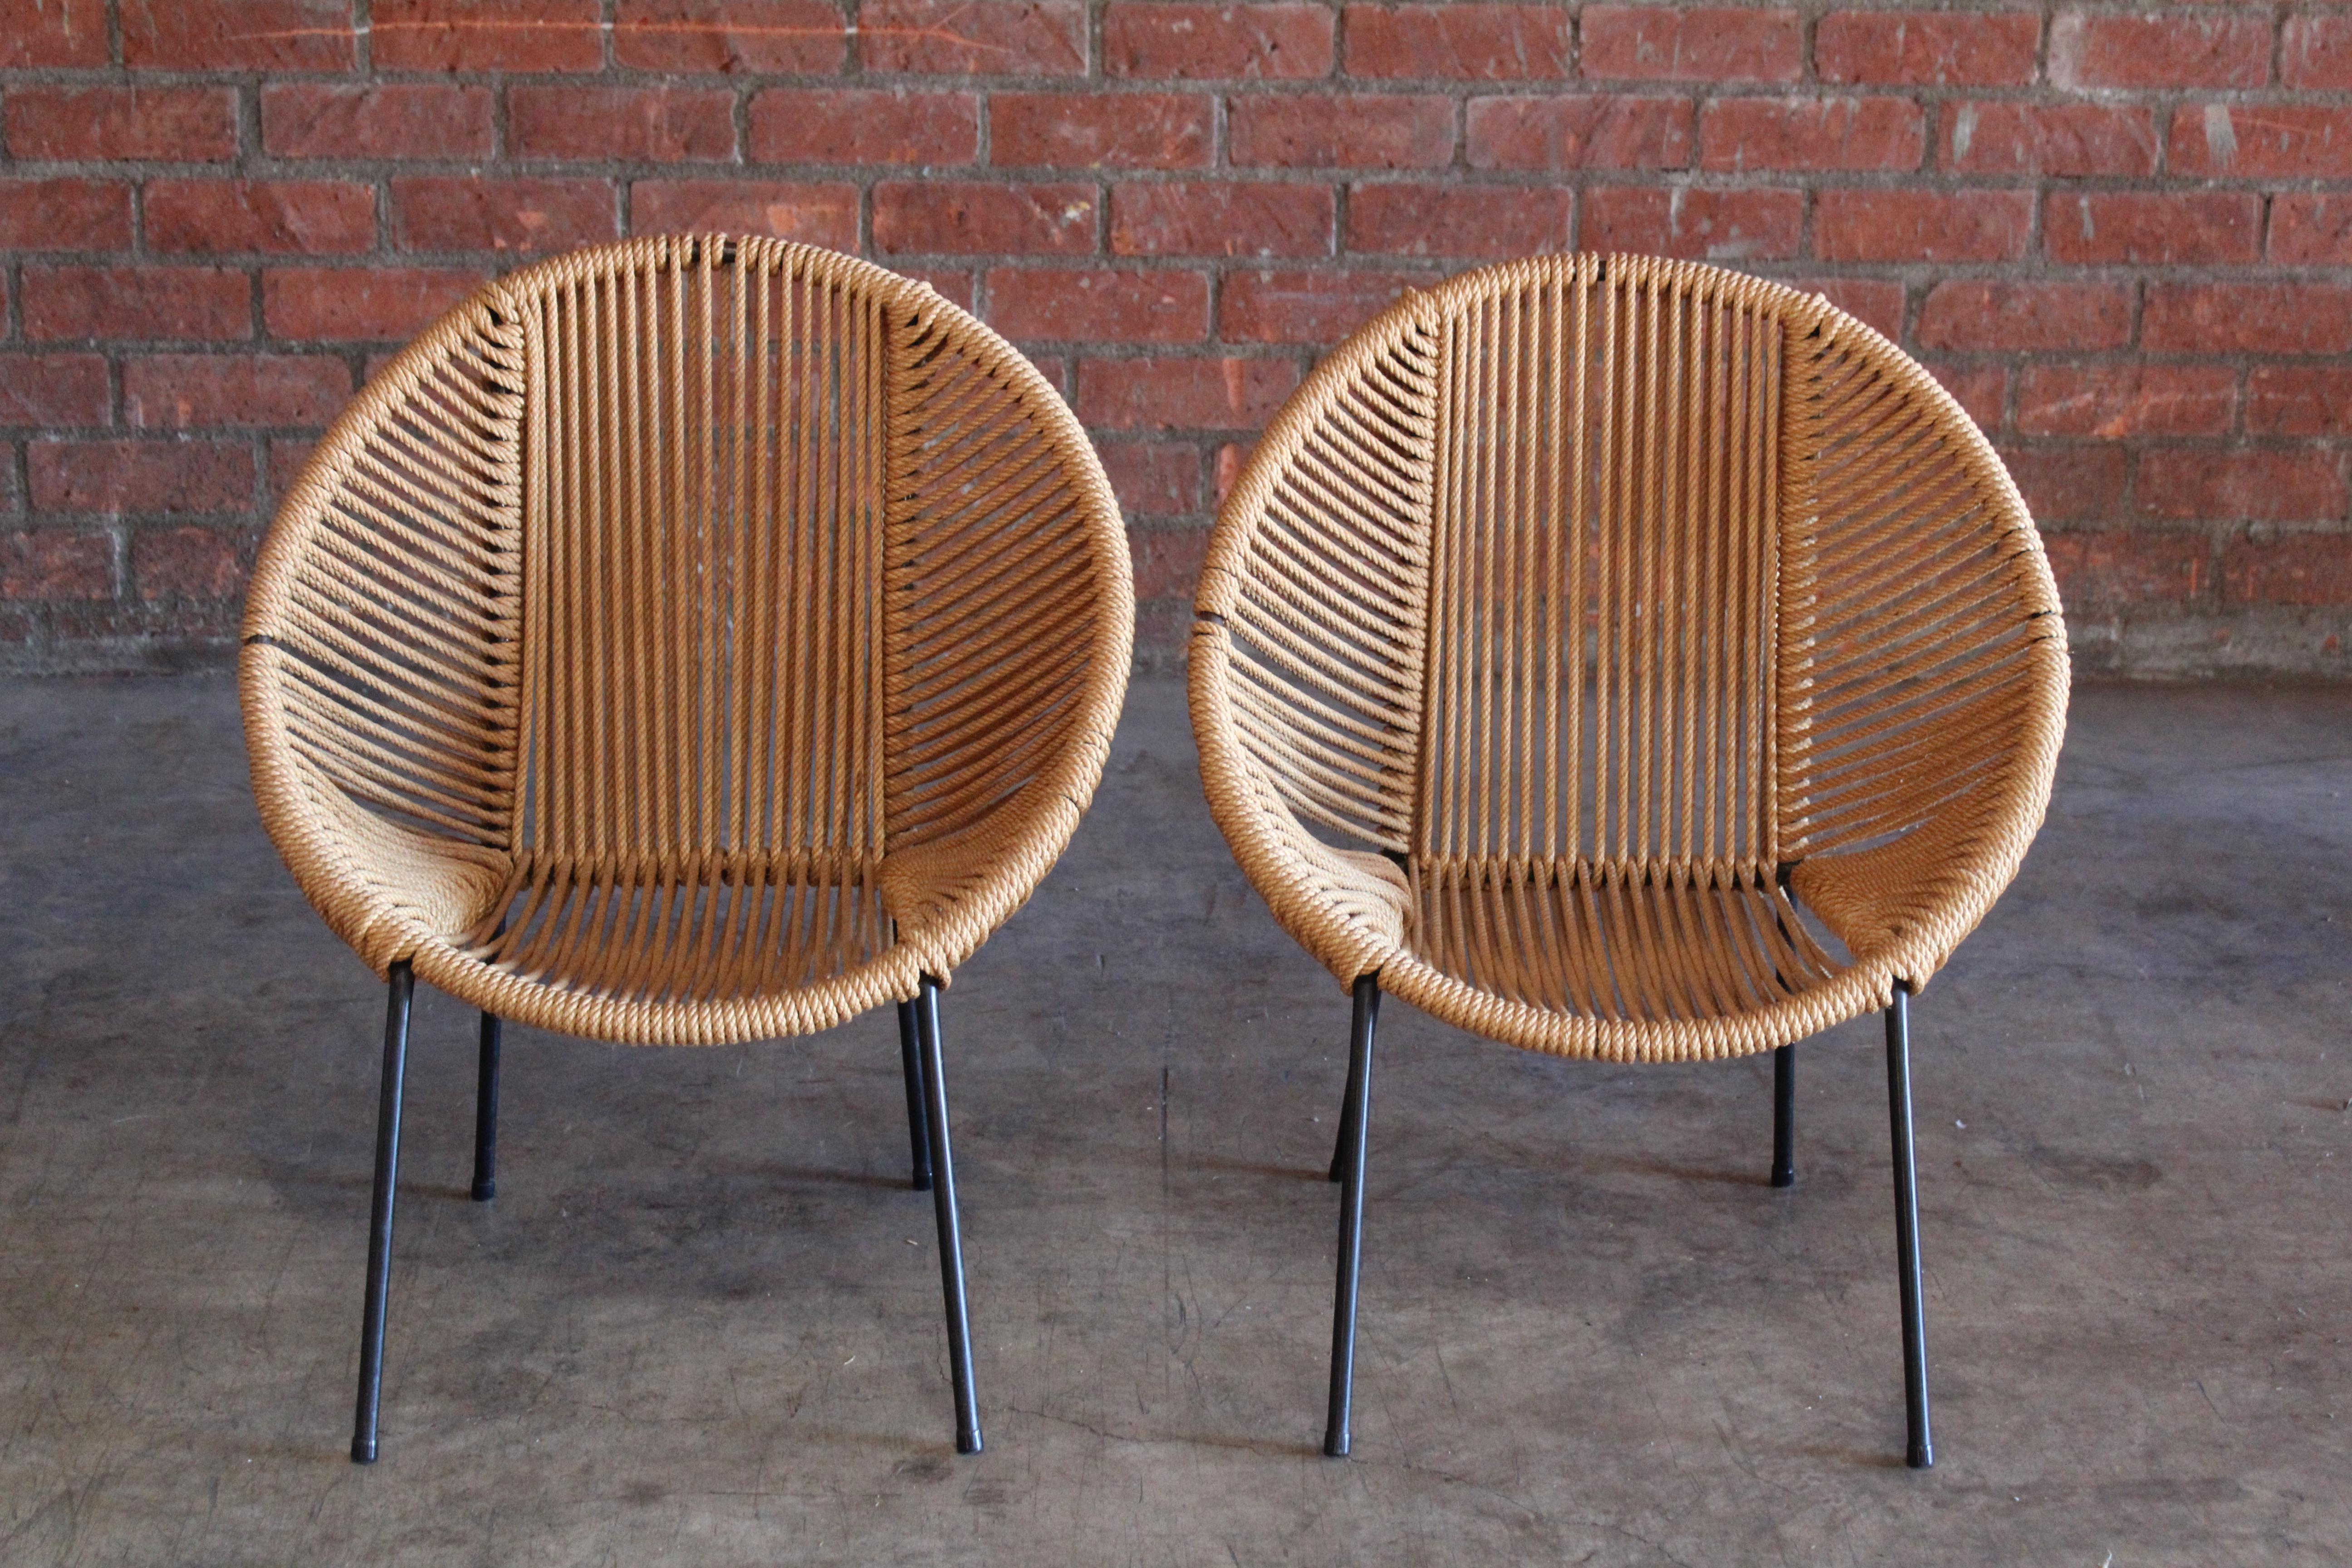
700 640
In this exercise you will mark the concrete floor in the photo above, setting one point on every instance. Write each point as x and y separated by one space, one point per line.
700 1324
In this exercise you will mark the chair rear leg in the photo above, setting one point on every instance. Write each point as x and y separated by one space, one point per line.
387 1176
1784 1116
1355 1123
1920 1452
486 1113
917 1122
943 1199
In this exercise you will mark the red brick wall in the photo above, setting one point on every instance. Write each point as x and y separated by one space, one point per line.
2121 234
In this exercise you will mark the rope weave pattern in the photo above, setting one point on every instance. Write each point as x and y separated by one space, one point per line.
1627 657
687 640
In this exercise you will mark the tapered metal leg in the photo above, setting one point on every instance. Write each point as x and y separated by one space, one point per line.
1355 1121
485 1114
388 1175
943 1199
910 1063
1346 1121
1921 1452
1784 1117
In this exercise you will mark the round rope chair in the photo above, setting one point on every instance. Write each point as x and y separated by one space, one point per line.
686 641
1631 659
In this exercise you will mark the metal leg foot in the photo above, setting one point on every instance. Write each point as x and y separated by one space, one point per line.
944 1198
1355 1140
387 1176
1784 1117
911 1064
1921 1450
485 1114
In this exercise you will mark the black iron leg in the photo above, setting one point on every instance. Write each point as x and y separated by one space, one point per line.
944 1198
1784 1117
1355 1122
485 1114
1347 1121
1921 1452
910 1063
387 1174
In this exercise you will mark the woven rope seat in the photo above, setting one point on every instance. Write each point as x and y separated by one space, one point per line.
1627 659
687 640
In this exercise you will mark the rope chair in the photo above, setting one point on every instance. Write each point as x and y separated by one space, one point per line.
688 641
1627 659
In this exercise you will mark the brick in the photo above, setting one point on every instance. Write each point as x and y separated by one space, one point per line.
182 392
2166 49
1922 226
1992 315
1340 132
160 628
2307 569
277 217
522 214
2309 230
975 37
1873 301
55 563
189 562
289 455
1100 131
2118 402
1981 390
1697 225
2171 228
2262 142
2294 484
53 390
1698 43
1461 42
239 35
658 125
360 304
1167 562
1316 307
137 303
1183 393
2064 141
933 216
35 35
2299 400
1844 133
1105 305
487 34
163 477
2136 567
858 125
1603 131
1458 220
1928 49
811 213
64 214
1152 478
159 124
2069 484
1264 40
385 120
1239 218
2315 52
2247 317
728 36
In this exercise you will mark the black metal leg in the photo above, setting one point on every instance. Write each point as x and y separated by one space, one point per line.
1346 1121
1921 1452
388 1175
944 1198
910 1063
1356 1122
485 1114
1784 1117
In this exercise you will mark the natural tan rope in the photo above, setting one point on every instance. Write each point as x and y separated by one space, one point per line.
1627 657
687 640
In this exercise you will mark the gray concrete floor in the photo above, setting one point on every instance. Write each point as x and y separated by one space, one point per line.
700 1324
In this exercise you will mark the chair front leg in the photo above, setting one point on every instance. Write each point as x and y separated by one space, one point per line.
910 1067
1784 1116
486 1113
387 1176
1921 1450
943 1199
1355 1139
